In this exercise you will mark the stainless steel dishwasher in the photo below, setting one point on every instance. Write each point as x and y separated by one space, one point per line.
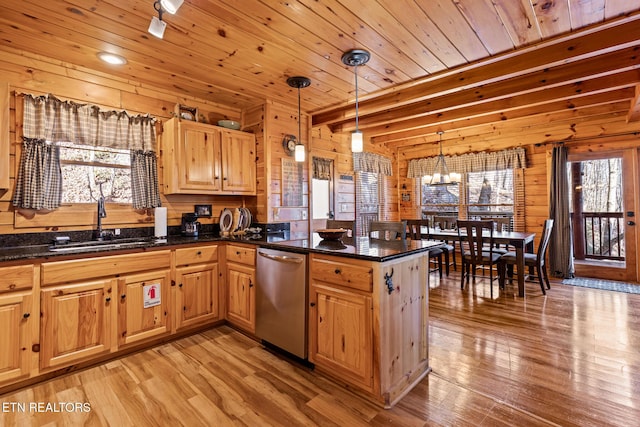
281 300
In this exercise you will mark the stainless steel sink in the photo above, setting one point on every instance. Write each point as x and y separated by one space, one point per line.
98 245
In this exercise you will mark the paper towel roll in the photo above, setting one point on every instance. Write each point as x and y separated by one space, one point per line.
160 222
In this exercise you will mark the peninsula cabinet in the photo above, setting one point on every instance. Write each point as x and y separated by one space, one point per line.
197 294
19 322
241 293
368 323
204 159
90 306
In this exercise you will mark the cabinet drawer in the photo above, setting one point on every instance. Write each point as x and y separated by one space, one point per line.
352 275
15 278
196 255
108 266
241 254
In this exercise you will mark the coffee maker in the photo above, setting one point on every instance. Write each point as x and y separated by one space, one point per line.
190 225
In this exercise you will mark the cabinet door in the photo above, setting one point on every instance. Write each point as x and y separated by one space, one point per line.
238 162
75 322
143 306
198 159
15 335
197 296
242 301
341 334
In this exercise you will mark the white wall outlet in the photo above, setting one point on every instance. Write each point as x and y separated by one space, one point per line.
304 214
116 232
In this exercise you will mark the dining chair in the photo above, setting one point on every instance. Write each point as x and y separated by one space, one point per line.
537 260
350 226
414 232
500 224
388 230
445 222
474 234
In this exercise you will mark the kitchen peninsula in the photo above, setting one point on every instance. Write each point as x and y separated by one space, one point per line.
367 322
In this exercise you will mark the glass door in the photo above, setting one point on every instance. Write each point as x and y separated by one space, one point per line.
603 218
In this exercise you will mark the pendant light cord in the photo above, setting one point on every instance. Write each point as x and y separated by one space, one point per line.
356 73
299 119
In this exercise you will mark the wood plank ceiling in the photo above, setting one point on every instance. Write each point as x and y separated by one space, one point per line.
435 64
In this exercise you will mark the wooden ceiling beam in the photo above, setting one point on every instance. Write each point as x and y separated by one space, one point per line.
430 125
461 110
574 76
497 128
575 47
634 111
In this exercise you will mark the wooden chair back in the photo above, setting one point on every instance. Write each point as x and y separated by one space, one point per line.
474 234
445 222
544 242
414 228
388 230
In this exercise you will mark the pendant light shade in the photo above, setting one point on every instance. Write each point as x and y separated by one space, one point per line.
441 174
353 58
357 144
299 82
171 6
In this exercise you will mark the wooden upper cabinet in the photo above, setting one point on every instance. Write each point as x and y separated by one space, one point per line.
5 142
203 159
238 162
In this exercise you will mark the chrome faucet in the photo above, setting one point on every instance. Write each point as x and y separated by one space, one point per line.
102 212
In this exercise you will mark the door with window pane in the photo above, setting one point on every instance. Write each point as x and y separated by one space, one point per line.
602 200
322 207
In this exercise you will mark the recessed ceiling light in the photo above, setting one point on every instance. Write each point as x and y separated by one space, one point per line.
112 58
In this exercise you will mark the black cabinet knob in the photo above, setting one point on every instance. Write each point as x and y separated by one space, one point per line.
26 315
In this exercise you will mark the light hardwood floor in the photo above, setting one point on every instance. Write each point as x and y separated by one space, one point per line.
571 358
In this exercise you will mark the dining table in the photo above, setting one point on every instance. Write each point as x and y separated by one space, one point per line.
522 242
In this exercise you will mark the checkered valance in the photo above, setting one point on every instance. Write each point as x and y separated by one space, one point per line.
472 162
371 162
50 119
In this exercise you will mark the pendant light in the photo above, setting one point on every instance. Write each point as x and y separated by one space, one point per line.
441 175
353 58
299 82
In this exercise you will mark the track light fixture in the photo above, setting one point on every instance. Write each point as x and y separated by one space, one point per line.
299 82
353 58
157 25
171 6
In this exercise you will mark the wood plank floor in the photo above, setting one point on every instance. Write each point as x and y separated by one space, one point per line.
571 358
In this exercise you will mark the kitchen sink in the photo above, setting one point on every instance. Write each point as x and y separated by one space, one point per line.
98 245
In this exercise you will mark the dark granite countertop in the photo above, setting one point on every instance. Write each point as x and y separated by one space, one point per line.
359 248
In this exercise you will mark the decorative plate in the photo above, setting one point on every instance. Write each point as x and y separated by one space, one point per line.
226 220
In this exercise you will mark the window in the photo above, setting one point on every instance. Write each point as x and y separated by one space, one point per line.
490 193
367 200
88 172
482 194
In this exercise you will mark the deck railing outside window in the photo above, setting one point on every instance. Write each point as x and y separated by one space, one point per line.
602 236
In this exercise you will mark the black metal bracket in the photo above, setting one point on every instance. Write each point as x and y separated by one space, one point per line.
388 281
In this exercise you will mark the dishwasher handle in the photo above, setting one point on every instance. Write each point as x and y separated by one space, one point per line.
282 258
